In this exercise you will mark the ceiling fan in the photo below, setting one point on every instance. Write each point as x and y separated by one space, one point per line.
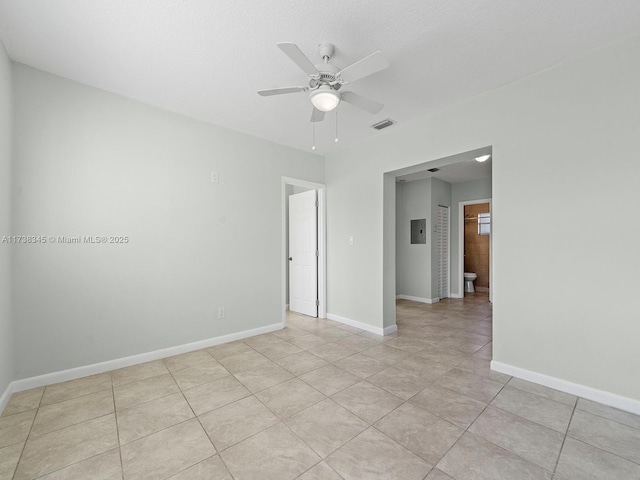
326 80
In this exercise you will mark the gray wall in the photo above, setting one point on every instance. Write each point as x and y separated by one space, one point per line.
557 137
413 262
461 192
6 121
88 162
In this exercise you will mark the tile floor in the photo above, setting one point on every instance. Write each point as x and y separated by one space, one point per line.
321 401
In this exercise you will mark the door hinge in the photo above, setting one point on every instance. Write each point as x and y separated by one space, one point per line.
317 303
317 253
317 204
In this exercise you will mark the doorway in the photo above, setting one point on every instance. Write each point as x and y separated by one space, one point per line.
475 244
292 186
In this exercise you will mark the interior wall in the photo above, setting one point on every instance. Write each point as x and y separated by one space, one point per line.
90 163
413 261
463 192
557 137
476 246
6 133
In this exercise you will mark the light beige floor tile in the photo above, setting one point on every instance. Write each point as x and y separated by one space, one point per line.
533 442
76 388
9 457
262 340
189 359
482 367
407 343
332 352
135 373
105 466
329 379
289 398
62 448
15 428
263 376
143 391
367 401
611 413
606 434
357 343
309 341
473 458
301 363
361 365
228 349
212 395
374 456
544 392
142 420
532 407
326 426
333 334
349 328
377 338
197 375
71 412
386 354
232 423
444 356
421 432
469 384
212 468
243 361
485 352
167 452
401 383
23 401
427 370
321 471
278 350
274 454
452 406
579 461
436 474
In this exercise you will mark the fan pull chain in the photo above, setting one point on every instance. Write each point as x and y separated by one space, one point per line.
336 139
313 136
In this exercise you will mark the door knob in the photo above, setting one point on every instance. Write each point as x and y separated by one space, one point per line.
291 259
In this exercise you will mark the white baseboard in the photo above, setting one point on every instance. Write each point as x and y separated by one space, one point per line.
456 295
79 372
611 399
363 326
418 299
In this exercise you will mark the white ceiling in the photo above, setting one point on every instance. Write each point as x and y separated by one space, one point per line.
207 58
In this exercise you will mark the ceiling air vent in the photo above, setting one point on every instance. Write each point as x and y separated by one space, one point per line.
433 170
383 124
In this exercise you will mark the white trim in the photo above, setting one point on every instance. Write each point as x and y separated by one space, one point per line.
79 372
363 326
418 299
322 245
461 245
606 398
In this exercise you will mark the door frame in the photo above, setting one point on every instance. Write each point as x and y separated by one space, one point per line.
461 206
322 245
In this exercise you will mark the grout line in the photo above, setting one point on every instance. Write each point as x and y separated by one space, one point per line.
564 439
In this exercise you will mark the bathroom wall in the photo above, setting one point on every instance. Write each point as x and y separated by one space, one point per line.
462 192
476 246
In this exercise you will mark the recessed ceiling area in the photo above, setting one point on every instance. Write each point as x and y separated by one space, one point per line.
207 59
463 170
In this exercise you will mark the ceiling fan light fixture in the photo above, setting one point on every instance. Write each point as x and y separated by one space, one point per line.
324 98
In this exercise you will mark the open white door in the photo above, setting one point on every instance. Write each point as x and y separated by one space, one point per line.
303 253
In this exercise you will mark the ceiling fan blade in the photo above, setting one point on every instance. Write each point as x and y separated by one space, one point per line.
317 115
364 103
280 91
294 53
362 68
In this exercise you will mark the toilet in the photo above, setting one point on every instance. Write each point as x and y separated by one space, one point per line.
468 281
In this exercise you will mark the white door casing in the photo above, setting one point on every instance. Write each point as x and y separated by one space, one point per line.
303 253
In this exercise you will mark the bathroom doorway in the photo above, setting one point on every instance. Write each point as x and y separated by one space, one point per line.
475 239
